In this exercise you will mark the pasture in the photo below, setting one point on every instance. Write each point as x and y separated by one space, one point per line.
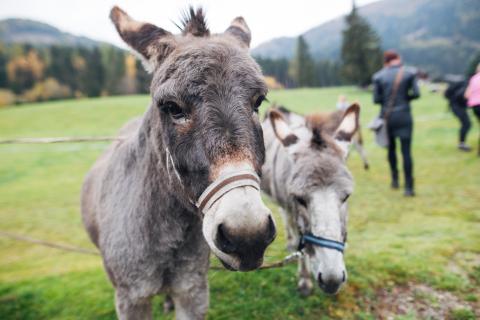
419 257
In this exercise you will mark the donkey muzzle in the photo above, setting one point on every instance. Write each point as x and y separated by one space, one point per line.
237 225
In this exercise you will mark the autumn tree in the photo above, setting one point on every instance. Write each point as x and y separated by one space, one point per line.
24 70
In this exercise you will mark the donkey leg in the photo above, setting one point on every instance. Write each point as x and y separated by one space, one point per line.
190 296
478 151
359 147
168 305
292 230
132 308
305 283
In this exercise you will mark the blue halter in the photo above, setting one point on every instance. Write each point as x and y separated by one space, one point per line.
321 242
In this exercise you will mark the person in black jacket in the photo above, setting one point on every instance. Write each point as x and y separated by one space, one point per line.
455 95
399 117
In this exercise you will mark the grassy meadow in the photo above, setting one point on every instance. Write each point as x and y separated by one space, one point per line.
407 258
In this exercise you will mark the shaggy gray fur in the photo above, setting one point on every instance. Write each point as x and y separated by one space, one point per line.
133 207
319 165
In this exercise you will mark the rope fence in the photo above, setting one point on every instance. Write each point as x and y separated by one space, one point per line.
64 247
68 248
49 244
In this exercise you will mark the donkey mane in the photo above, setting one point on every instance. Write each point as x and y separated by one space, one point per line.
194 23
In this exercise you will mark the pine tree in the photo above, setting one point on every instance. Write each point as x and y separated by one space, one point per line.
301 68
472 67
361 52
3 68
93 77
113 62
143 78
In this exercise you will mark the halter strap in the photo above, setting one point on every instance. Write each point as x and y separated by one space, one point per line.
321 242
219 187
225 184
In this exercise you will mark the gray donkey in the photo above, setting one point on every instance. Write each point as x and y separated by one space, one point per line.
184 178
306 174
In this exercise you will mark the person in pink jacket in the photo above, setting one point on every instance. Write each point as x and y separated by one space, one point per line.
473 97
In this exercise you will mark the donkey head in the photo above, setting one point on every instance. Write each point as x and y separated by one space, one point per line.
203 122
319 185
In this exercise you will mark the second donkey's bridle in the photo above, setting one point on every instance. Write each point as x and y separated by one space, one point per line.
220 186
321 242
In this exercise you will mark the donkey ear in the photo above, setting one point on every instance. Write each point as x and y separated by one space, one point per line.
348 126
152 43
239 29
281 128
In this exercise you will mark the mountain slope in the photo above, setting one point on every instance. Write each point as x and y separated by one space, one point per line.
437 35
39 34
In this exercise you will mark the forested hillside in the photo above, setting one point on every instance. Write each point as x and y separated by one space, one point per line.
438 36
38 62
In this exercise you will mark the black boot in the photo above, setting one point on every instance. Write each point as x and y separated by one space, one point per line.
409 190
395 184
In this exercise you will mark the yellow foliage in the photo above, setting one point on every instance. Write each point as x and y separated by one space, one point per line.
36 64
130 66
47 90
7 97
79 63
272 83
30 62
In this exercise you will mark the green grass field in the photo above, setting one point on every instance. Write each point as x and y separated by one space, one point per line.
403 254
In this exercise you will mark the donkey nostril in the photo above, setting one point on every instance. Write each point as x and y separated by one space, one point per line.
223 241
320 280
272 231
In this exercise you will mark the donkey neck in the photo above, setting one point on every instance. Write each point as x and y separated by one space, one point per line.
277 167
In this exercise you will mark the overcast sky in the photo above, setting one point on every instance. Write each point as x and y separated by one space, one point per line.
267 18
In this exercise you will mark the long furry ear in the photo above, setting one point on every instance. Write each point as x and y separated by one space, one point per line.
240 30
349 124
281 128
347 128
152 43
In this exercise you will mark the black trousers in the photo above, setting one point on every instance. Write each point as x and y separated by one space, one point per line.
476 111
461 113
405 146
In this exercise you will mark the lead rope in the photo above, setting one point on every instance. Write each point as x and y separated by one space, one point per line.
69 248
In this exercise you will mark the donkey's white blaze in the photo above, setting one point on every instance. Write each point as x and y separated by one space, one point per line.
326 223
241 209
325 214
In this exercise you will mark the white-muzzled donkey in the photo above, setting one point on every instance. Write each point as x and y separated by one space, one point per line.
184 180
305 172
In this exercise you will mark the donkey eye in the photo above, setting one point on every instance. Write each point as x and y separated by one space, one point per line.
345 198
176 113
258 103
301 201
